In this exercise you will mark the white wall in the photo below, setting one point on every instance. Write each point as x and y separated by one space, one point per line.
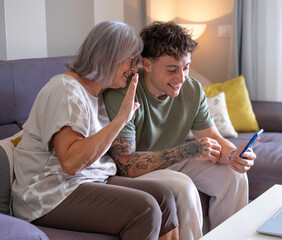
108 10
68 23
3 51
25 28
135 13
41 28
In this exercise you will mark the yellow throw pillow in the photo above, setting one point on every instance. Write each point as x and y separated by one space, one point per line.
238 103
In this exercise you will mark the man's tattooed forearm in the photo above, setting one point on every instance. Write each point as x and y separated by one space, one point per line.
191 150
134 163
121 146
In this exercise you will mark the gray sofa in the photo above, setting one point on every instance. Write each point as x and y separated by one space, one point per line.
20 81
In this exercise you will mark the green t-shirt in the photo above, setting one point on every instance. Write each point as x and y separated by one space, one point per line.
156 124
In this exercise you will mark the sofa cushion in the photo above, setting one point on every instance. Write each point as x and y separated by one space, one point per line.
218 110
268 115
238 103
13 228
8 130
59 234
6 94
29 76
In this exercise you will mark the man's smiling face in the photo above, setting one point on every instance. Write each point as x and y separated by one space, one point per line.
165 75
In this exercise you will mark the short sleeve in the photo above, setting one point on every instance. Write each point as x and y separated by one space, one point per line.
57 105
203 118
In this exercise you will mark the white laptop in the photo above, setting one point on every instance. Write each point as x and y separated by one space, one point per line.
273 226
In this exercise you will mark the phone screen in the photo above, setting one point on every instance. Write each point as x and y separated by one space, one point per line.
252 141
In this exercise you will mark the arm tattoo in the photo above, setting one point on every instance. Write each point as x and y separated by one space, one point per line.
132 163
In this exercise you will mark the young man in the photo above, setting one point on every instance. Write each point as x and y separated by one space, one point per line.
172 103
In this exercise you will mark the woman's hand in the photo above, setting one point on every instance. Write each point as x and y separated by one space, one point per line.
129 106
244 164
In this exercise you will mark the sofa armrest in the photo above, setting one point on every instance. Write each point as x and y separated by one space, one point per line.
268 115
15 228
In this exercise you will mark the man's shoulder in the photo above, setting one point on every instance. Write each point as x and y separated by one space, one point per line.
192 85
114 93
193 82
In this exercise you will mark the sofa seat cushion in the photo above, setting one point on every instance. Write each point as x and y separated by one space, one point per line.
59 234
14 228
267 170
8 130
205 199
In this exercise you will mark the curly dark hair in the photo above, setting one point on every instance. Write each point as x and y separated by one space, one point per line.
168 38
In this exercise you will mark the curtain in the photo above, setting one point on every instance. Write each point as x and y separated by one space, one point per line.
257 47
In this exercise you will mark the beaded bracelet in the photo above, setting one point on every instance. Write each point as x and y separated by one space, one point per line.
231 153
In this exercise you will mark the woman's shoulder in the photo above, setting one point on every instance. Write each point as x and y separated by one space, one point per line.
62 86
52 86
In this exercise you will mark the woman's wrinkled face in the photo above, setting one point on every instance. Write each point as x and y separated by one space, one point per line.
125 69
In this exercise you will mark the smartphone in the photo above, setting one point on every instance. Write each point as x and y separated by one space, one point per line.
252 141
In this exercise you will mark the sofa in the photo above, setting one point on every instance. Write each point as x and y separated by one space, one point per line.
21 80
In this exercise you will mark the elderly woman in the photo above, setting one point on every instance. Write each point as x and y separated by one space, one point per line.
64 176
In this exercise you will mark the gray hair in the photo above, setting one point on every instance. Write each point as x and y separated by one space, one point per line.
107 45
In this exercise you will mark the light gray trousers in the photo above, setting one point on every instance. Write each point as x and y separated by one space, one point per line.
188 204
227 188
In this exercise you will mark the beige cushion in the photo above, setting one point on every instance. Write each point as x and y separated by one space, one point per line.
218 110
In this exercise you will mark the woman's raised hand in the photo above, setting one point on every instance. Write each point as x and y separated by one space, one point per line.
129 106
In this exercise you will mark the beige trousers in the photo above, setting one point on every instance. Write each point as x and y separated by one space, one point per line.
228 189
187 199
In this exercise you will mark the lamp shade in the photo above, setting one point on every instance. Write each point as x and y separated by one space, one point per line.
196 29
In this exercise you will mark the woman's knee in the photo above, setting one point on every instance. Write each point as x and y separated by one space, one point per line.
144 221
166 200
163 195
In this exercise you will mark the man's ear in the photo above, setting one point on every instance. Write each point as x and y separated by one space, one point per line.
147 64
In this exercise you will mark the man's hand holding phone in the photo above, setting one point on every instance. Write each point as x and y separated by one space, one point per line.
242 159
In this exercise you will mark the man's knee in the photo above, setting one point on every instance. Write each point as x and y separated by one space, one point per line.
183 186
240 179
